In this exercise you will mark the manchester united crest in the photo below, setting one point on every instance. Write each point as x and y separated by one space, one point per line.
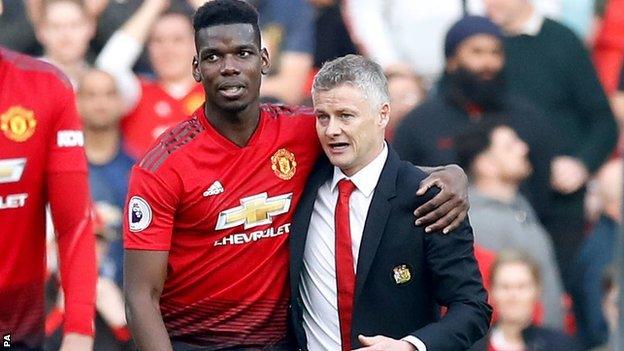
18 123
283 164
401 274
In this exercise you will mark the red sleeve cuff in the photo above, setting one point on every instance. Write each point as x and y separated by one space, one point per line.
80 319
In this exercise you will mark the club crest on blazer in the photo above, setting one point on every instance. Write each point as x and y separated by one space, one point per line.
402 274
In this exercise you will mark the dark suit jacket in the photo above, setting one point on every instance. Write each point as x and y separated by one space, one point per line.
442 268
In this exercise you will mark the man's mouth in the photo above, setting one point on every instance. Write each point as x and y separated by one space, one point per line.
231 91
338 147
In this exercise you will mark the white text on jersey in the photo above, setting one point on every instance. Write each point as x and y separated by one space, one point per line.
69 138
13 201
244 238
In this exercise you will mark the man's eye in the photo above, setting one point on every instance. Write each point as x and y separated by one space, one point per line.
211 57
346 115
244 54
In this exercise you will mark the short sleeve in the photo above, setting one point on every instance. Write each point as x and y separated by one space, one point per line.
149 212
67 140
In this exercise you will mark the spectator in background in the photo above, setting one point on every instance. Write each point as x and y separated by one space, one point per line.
472 90
547 64
406 92
64 29
515 289
598 252
152 106
288 34
117 12
99 104
329 23
408 35
496 161
403 35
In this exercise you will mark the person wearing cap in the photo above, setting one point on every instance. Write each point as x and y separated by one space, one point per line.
473 90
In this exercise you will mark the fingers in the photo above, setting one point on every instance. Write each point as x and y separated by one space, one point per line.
368 342
438 218
428 183
444 221
442 197
461 215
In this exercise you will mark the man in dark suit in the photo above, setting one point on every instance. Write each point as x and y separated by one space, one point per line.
362 275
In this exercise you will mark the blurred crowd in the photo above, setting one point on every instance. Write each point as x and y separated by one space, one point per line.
528 97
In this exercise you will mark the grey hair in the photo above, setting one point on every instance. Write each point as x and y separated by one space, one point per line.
358 71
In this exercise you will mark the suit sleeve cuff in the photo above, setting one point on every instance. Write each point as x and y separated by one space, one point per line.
418 344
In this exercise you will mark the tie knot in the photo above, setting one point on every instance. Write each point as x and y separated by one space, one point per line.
345 187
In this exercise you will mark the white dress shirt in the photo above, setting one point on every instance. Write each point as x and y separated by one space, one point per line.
318 276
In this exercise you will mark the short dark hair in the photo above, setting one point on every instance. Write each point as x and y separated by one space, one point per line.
474 140
218 12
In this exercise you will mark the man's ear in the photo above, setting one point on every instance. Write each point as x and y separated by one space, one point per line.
196 72
266 62
384 115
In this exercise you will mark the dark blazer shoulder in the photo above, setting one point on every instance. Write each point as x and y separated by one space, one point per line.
408 181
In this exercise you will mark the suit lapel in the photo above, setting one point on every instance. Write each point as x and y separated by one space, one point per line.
376 218
301 220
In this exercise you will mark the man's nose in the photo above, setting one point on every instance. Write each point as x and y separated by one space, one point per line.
229 66
333 127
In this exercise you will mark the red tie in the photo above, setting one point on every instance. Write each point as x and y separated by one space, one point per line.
345 275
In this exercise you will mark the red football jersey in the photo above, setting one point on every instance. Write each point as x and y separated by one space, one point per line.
40 139
156 112
223 212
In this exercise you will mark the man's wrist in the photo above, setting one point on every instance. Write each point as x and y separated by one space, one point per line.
415 342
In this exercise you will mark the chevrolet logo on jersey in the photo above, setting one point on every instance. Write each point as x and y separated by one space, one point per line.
254 211
11 170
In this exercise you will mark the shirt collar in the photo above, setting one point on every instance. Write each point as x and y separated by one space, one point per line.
533 26
366 179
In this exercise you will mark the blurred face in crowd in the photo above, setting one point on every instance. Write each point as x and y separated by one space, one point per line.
475 70
405 93
350 130
171 47
480 54
507 157
515 293
229 64
65 31
99 102
505 12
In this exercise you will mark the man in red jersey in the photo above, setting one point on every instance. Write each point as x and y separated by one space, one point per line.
42 161
210 205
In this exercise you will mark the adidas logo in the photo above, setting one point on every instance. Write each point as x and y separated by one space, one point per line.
215 189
